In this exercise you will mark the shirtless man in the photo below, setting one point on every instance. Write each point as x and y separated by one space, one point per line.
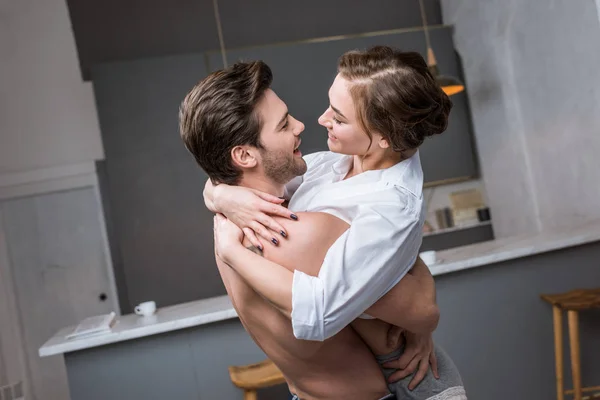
240 133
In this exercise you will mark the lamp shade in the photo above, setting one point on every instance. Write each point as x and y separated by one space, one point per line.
449 84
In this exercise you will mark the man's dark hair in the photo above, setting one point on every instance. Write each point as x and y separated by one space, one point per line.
219 113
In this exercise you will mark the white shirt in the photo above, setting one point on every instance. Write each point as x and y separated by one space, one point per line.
385 211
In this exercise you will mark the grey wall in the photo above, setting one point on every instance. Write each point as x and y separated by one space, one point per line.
494 325
499 332
160 233
534 87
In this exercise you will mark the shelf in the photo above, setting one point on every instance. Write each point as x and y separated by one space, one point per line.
457 228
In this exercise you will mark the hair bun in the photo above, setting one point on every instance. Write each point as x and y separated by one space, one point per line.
437 121
396 95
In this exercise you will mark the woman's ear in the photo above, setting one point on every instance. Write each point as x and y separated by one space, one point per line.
383 143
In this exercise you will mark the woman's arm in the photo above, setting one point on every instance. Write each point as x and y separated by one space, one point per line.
366 262
251 210
209 195
411 304
363 264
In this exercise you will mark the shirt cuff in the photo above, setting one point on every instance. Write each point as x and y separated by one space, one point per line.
307 307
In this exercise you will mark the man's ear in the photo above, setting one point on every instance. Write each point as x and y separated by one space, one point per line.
245 157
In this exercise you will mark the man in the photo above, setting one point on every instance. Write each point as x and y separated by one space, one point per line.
241 133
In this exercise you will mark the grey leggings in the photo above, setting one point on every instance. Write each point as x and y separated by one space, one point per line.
388 397
448 387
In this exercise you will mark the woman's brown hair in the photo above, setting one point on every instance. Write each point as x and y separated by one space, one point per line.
395 95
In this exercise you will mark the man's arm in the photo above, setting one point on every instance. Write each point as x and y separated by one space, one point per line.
411 304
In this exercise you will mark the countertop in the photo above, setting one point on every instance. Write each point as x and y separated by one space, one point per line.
219 308
132 326
495 251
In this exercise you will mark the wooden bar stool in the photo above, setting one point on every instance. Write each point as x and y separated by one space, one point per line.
572 302
252 377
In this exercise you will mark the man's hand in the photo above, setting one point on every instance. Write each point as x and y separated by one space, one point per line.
227 237
418 354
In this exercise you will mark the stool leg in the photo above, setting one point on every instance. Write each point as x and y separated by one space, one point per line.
573 317
250 395
558 353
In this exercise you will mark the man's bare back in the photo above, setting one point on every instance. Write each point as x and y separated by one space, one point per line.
340 367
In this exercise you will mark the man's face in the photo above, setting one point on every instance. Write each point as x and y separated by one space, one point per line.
280 137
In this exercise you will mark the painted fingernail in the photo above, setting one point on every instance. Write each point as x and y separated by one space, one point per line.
282 198
294 217
259 247
283 234
275 241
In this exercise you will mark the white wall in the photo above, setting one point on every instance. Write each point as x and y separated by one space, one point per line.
49 140
47 113
12 357
534 86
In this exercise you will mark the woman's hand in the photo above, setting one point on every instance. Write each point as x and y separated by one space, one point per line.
228 236
251 210
418 356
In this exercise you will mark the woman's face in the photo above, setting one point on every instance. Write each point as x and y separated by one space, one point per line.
345 134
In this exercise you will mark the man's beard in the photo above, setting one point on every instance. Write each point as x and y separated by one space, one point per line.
282 168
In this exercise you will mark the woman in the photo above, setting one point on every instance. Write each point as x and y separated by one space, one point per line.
383 104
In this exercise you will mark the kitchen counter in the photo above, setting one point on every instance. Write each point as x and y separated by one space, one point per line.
495 251
216 309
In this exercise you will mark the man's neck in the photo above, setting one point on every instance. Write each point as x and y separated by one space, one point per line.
263 184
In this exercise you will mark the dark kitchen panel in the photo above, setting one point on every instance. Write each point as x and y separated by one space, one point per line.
113 30
249 23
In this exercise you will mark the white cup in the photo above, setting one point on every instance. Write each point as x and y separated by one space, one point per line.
428 257
145 309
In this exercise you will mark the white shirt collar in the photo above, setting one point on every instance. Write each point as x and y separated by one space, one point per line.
407 174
